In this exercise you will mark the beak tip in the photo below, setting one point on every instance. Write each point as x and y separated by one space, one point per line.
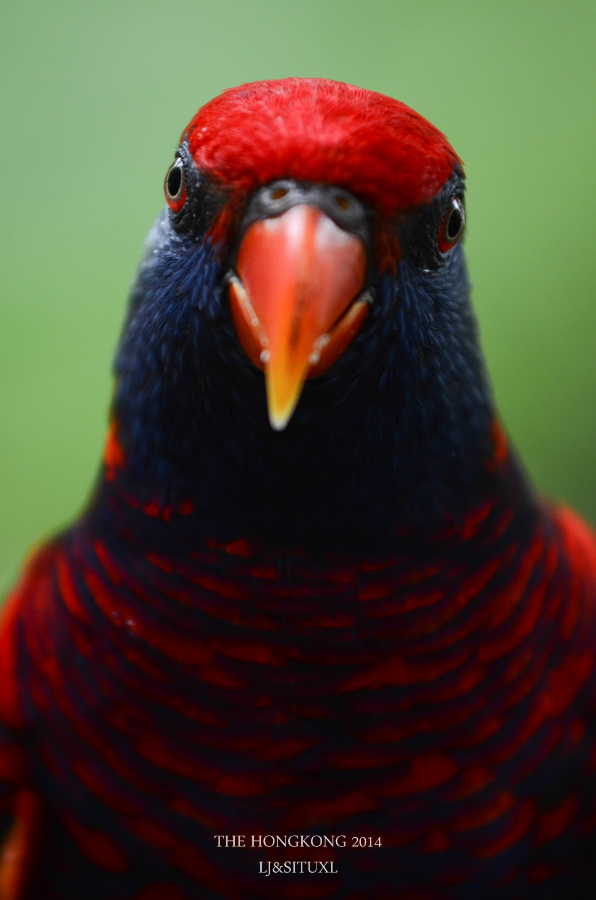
281 403
278 421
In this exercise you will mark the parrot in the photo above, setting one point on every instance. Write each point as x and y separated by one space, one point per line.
315 635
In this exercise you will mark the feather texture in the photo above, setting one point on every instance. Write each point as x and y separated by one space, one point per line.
366 625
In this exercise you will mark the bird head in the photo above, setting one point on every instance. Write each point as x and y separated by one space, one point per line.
300 327
317 177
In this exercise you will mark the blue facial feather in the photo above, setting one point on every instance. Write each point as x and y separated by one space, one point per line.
397 432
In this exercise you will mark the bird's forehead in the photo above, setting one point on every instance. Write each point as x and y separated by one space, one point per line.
322 131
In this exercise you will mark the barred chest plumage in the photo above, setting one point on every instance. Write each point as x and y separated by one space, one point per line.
431 702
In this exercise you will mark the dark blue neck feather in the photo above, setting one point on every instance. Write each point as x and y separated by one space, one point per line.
397 435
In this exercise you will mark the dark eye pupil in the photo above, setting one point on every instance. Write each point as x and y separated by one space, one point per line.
454 223
174 181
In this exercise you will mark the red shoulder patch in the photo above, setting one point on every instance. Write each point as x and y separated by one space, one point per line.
17 859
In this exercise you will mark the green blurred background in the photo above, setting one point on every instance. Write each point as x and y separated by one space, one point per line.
93 98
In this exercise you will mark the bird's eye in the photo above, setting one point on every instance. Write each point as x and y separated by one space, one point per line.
174 186
452 226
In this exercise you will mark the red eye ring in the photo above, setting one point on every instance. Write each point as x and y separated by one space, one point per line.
174 186
452 226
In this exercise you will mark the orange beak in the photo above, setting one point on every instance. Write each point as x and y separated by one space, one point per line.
296 302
